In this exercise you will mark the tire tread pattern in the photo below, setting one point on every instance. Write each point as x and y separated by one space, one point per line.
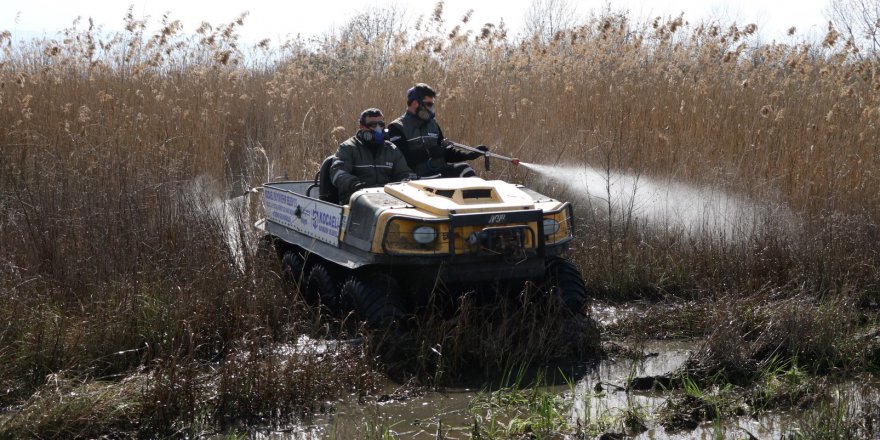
320 285
374 299
568 282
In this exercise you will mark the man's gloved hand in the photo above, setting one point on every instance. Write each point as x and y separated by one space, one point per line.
359 185
476 155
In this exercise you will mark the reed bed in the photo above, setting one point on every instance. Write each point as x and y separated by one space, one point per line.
118 147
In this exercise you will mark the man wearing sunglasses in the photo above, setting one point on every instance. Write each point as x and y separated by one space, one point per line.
367 158
419 137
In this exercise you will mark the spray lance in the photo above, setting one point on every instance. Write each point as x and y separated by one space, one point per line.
486 154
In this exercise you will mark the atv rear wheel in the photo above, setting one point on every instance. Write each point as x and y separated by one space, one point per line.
321 286
374 298
565 280
292 265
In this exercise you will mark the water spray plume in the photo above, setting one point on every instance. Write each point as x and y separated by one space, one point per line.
661 204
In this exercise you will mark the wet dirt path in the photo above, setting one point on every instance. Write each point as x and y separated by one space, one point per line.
596 396
421 415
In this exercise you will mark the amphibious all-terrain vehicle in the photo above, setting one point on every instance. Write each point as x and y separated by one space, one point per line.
384 253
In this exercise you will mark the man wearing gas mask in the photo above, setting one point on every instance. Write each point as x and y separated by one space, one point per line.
419 137
367 158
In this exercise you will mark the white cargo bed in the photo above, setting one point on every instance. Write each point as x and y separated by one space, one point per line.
287 204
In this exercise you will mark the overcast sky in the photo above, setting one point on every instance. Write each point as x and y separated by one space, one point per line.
279 18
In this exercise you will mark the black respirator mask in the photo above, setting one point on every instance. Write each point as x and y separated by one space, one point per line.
374 135
425 113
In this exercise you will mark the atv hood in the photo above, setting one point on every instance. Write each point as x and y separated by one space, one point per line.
461 195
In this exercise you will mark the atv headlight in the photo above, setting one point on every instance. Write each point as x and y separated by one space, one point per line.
405 235
551 226
558 225
424 234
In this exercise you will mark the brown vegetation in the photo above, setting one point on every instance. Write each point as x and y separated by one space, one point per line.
113 258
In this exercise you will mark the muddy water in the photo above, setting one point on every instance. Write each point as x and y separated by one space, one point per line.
597 397
602 392
423 415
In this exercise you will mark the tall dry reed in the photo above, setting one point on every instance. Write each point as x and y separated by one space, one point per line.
111 258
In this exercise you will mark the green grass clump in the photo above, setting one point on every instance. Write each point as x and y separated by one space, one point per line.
519 410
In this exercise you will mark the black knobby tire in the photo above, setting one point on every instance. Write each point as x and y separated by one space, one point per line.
564 279
374 299
292 265
320 285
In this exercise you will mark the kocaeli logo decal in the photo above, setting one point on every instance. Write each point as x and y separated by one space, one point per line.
324 219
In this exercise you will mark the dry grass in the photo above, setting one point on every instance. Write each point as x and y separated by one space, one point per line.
751 333
111 259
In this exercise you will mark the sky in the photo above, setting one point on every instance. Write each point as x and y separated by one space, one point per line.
278 19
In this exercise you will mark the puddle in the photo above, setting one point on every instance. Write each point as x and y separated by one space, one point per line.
854 403
602 392
423 416
774 426
417 418
599 396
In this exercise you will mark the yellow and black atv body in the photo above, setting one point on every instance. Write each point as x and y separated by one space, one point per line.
385 252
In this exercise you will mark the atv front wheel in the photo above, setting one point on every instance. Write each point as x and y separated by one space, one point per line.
374 299
565 280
